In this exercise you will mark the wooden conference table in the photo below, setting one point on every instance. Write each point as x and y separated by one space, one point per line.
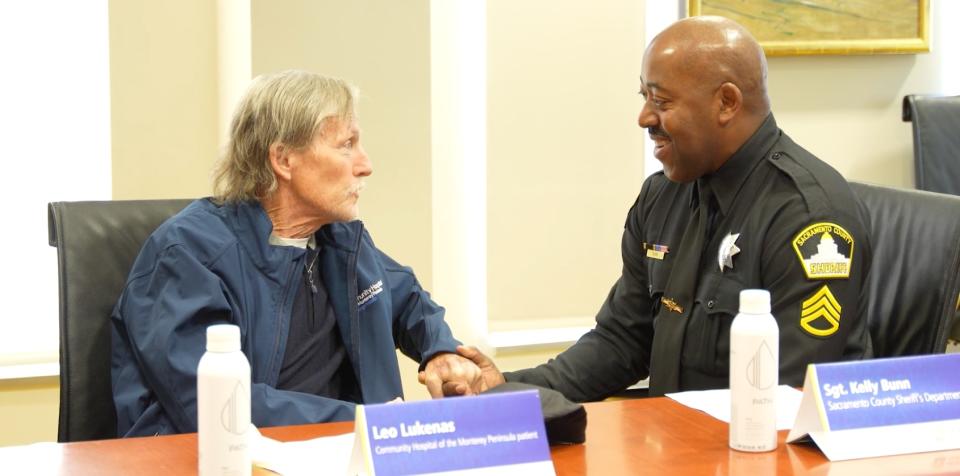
644 436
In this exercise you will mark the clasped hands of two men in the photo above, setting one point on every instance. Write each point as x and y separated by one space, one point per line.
468 372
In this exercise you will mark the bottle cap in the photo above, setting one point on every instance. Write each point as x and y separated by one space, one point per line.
755 301
223 338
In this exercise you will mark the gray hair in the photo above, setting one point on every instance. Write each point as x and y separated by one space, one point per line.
289 108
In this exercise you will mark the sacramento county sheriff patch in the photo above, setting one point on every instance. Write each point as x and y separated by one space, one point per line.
825 251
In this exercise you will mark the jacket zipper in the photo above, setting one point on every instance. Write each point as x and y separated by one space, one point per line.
354 308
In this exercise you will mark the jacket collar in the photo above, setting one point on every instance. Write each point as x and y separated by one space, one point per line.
343 235
726 182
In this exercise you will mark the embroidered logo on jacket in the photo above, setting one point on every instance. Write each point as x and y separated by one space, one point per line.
825 251
370 293
820 315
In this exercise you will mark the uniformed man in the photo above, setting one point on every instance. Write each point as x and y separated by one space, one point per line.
738 205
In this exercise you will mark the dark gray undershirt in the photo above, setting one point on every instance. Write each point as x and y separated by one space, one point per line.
315 360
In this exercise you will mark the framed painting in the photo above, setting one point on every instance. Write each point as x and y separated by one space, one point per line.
827 27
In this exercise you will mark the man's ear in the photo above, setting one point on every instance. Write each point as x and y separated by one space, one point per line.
280 161
731 101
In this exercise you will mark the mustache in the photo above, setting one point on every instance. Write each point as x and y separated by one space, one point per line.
656 132
356 188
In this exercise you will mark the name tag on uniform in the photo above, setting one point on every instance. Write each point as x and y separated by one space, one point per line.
881 407
656 251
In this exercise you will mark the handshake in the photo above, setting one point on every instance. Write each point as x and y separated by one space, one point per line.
468 372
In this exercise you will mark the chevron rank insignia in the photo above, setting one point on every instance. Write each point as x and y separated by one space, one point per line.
825 251
820 315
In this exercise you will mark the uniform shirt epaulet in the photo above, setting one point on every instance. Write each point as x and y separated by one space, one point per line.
804 179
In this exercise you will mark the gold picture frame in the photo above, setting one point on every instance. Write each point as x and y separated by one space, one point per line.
827 27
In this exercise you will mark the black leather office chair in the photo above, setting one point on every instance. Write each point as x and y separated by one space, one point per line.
914 281
936 141
96 244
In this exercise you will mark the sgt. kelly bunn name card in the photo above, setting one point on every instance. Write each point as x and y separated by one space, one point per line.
881 407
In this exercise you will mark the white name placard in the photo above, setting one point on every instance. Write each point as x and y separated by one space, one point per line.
488 434
881 407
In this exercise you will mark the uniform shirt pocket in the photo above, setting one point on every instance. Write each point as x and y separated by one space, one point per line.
707 342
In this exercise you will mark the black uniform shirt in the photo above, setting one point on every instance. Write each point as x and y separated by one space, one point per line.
781 220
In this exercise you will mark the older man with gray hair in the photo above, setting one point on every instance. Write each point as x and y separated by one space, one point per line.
279 252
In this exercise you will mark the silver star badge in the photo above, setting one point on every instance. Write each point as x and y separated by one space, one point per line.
728 248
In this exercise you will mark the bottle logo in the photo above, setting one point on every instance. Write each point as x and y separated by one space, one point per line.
230 415
758 374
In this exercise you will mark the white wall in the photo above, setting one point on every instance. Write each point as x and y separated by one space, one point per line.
565 159
165 98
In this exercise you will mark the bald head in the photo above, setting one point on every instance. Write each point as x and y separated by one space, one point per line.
704 85
716 50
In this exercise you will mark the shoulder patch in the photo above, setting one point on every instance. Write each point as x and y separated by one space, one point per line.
825 251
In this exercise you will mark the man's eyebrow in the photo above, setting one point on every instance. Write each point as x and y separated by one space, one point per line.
654 85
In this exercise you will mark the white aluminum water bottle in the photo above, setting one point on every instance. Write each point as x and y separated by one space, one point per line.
223 405
754 374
